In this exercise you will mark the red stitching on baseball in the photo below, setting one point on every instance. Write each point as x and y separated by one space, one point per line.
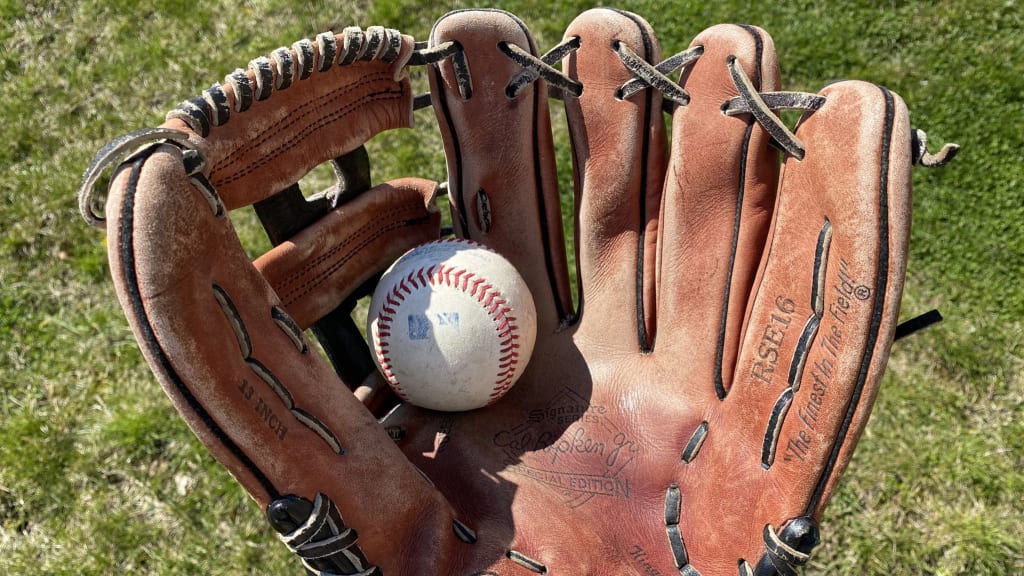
458 278
485 289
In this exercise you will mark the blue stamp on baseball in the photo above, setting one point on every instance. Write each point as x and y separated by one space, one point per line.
421 325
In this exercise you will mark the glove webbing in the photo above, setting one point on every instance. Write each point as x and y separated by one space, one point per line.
297 63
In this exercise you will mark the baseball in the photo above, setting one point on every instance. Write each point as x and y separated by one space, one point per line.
451 325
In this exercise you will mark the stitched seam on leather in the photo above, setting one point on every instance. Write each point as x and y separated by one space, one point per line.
322 121
299 274
277 72
296 293
303 110
460 204
644 340
467 282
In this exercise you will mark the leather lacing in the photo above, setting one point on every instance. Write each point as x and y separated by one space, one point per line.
286 66
326 546
753 102
283 69
265 374
280 71
647 75
533 67
759 104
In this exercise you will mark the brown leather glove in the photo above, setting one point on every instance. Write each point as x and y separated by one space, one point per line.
691 415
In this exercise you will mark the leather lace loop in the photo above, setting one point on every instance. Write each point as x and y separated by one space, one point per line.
921 156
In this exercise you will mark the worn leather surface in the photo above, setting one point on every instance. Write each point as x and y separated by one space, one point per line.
701 265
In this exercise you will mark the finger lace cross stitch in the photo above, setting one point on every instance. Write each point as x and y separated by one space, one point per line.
657 76
533 67
647 74
760 105
543 67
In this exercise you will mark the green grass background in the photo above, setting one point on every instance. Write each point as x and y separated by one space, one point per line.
99 476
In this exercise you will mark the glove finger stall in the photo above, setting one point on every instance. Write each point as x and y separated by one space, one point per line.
818 331
502 180
719 196
618 163
843 219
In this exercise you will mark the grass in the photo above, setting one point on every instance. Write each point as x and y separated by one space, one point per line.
99 476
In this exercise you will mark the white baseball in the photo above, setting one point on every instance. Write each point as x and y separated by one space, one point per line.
452 325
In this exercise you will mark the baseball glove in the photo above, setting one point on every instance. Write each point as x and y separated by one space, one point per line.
691 414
